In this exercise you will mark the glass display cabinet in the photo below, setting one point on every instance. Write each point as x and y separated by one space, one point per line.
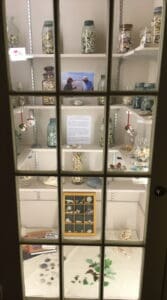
84 91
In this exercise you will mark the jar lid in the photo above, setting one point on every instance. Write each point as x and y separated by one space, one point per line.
52 120
49 69
88 22
48 23
139 85
126 26
158 10
149 85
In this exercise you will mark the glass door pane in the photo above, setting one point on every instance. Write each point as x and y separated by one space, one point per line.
34 134
40 270
83 43
82 208
126 214
123 277
136 45
38 207
81 272
82 134
31 45
130 133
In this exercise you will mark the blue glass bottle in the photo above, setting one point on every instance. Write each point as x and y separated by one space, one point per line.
52 133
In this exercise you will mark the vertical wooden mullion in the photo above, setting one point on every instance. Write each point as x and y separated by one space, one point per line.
156 239
9 251
56 13
107 115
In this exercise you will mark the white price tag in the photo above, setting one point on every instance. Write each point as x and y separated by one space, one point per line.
17 54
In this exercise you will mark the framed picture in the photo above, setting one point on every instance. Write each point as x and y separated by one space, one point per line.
79 213
77 81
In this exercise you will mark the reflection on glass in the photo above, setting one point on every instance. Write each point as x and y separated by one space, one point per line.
40 270
136 43
35 134
38 207
131 131
123 272
81 272
126 213
82 208
82 134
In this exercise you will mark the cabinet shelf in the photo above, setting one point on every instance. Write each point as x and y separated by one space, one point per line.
138 51
68 55
143 118
115 185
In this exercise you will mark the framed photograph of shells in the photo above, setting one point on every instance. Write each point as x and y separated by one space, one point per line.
79 213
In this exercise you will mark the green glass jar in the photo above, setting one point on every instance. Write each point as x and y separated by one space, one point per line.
52 133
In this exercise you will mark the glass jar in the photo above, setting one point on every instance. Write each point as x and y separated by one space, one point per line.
148 101
101 88
137 100
156 25
146 37
13 33
110 134
48 84
52 133
125 38
77 164
88 37
48 37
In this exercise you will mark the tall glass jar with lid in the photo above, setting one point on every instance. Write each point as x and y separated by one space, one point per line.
77 166
52 133
101 88
125 38
88 37
13 33
48 37
48 84
110 134
156 25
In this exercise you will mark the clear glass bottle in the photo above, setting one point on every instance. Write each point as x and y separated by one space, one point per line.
110 134
13 33
101 88
125 38
88 37
77 166
146 37
52 133
48 84
156 25
48 37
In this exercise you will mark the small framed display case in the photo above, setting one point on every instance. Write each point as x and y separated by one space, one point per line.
79 213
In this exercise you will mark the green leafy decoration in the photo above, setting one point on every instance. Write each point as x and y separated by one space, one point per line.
85 281
94 271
